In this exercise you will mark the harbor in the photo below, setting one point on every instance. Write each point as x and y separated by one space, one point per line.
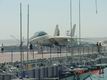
58 40
48 64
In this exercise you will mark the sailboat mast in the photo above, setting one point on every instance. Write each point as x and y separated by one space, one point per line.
79 22
21 32
96 6
27 32
71 18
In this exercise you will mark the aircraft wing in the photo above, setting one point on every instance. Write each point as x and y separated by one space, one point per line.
51 40
42 40
47 40
60 40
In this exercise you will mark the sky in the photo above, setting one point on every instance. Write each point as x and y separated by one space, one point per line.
46 14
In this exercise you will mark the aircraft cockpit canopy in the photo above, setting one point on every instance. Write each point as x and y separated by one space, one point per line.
38 34
41 33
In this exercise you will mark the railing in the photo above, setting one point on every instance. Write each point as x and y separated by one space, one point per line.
38 79
53 53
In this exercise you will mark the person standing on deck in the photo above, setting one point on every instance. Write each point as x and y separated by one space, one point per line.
99 45
2 48
31 50
31 47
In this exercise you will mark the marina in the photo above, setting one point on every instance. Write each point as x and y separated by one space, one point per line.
54 64
43 56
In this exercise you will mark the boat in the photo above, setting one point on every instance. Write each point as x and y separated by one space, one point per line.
77 74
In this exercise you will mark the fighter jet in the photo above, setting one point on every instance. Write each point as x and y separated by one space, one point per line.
42 38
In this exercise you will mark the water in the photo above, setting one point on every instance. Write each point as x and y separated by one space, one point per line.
11 42
100 77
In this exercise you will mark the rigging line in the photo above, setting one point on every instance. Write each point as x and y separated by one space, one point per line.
91 78
96 6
